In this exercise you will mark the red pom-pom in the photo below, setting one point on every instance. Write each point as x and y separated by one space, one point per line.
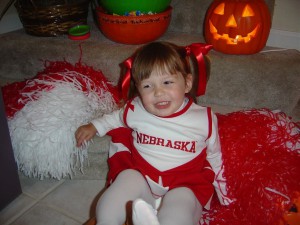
17 94
261 156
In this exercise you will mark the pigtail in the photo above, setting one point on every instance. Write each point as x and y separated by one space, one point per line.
199 67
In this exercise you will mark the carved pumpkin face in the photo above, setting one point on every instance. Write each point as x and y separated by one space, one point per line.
237 26
292 217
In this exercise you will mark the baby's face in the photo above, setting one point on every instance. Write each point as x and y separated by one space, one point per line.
163 94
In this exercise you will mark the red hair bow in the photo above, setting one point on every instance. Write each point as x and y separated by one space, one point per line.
197 49
125 84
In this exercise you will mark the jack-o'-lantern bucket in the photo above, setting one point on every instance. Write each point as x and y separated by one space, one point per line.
292 216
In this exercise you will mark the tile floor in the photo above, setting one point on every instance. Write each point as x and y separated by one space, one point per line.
52 202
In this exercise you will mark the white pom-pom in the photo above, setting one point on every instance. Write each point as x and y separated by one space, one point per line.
42 132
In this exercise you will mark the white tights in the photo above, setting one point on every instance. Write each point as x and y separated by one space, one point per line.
179 205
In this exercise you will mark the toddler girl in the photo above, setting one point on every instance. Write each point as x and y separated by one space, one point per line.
165 154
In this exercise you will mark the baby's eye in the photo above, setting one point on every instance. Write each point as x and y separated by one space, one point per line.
146 86
168 82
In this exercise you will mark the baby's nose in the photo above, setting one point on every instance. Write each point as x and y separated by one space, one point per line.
158 91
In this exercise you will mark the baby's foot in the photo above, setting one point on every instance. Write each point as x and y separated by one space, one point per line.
143 213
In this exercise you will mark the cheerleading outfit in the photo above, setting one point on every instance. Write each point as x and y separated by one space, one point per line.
180 150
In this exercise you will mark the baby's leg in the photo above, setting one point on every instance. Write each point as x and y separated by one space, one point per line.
180 206
128 186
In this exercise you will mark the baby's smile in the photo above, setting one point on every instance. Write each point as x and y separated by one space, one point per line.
163 104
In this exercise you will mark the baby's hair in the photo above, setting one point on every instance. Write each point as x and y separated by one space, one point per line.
164 57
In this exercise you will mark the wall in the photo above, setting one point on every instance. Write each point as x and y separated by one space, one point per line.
287 15
10 21
285 30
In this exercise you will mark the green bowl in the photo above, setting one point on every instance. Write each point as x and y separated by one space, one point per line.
121 7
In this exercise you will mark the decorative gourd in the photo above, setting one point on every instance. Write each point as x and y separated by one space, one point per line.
237 26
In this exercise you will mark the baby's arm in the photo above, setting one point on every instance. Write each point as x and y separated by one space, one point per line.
214 157
100 125
108 122
214 154
85 133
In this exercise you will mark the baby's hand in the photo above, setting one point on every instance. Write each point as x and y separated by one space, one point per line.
85 133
